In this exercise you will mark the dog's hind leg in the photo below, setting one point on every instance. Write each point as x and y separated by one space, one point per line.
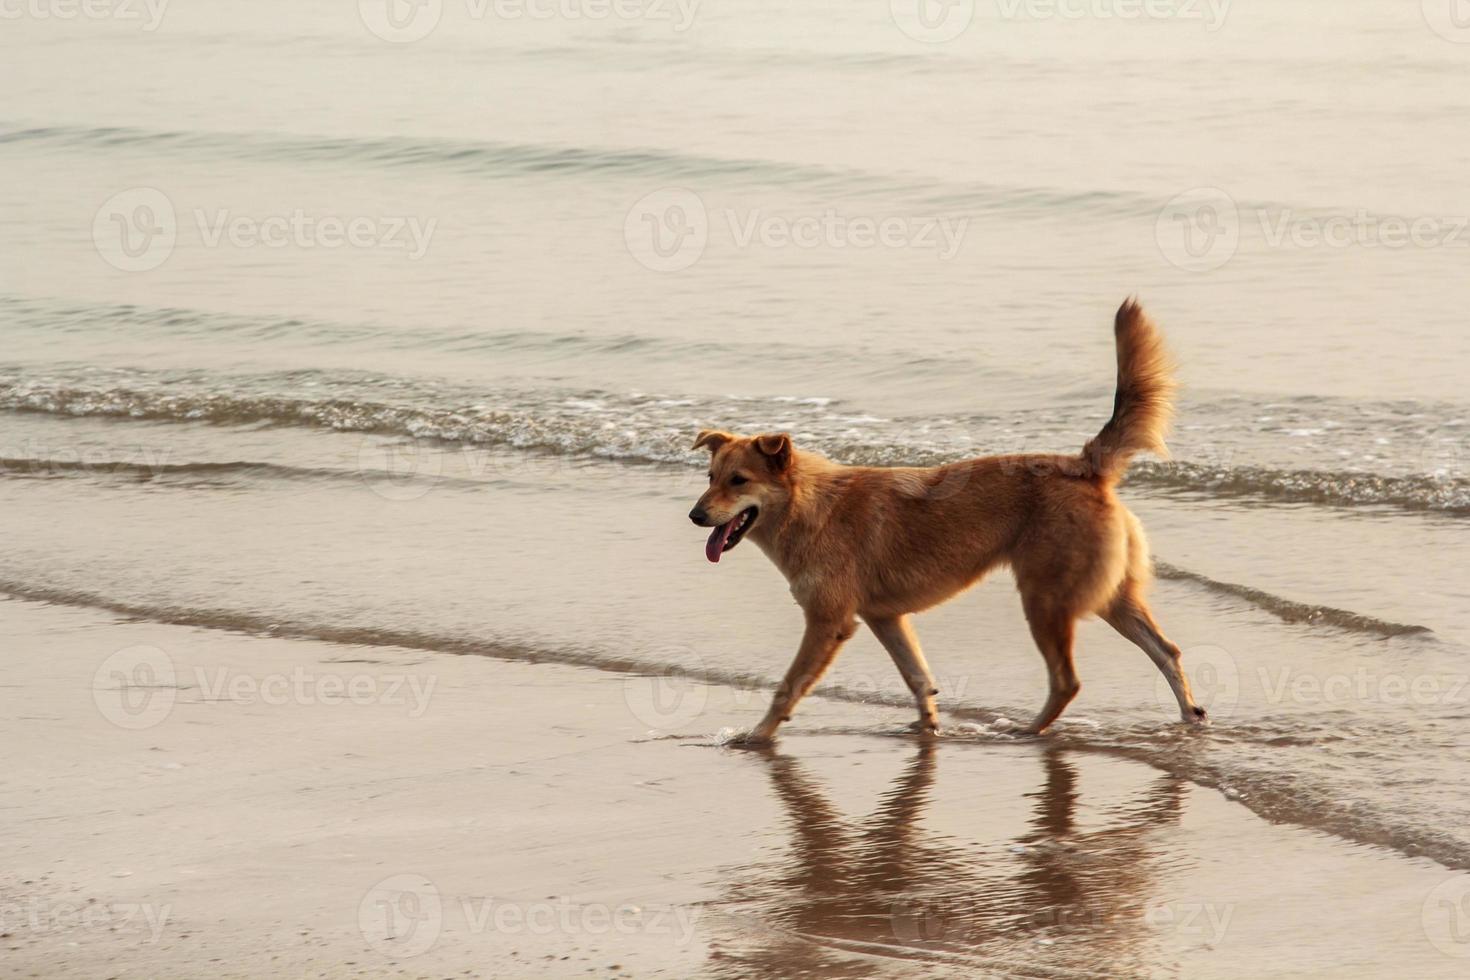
824 636
1053 631
897 635
1130 615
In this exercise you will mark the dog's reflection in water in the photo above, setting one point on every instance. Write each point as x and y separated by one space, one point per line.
851 889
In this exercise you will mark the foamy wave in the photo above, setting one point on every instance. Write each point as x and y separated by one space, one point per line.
657 429
1339 489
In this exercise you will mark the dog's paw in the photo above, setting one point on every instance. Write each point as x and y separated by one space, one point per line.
1197 716
753 739
1034 730
926 728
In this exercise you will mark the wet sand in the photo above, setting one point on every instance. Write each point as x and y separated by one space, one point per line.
313 809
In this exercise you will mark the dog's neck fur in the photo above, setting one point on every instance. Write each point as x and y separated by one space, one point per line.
791 528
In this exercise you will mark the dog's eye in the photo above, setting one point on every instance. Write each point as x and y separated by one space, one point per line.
735 481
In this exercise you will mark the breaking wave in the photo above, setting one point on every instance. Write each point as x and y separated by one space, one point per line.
648 428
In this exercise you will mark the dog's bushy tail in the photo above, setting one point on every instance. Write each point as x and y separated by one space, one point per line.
1144 402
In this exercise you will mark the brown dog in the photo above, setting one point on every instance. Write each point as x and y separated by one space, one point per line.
880 543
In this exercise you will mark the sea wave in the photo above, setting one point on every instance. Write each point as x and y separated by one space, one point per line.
504 159
59 316
648 428
1290 610
490 158
242 474
1442 494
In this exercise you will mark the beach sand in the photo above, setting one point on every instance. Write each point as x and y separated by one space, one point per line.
301 808
351 622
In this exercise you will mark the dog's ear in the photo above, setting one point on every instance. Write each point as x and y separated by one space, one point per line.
776 448
711 438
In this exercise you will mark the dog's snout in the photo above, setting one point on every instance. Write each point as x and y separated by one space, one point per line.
699 516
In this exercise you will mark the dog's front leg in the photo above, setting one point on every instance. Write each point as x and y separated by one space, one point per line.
824 636
897 635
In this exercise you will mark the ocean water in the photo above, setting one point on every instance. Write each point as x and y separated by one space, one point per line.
314 321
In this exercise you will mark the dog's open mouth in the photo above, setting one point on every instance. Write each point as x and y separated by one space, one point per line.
728 534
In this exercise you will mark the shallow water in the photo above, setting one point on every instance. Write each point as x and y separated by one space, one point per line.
465 429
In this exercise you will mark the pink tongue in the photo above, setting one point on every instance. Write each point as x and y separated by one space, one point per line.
717 538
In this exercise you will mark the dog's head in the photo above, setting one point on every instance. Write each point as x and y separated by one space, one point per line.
749 478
